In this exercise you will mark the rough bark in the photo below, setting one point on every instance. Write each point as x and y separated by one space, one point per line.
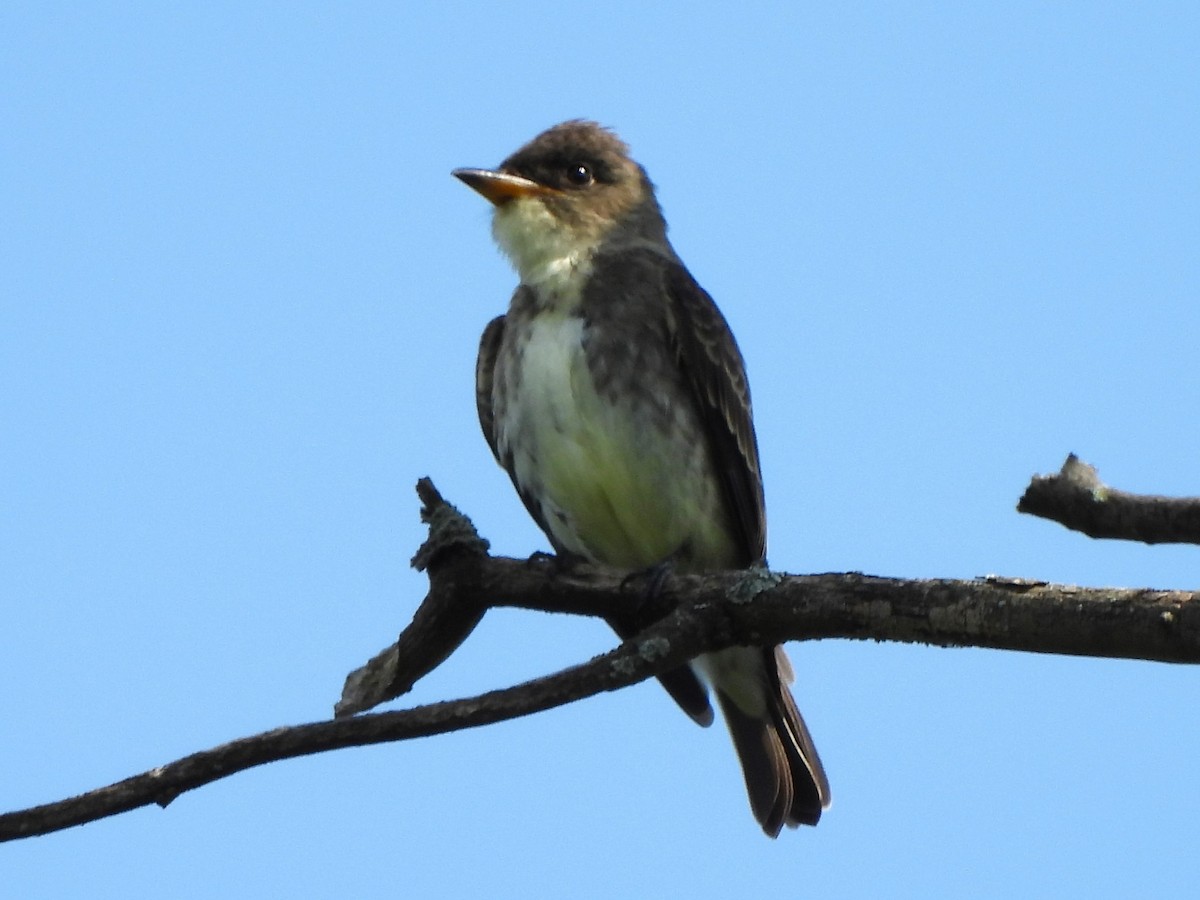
1076 498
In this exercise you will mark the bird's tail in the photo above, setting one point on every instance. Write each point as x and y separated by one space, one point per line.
784 776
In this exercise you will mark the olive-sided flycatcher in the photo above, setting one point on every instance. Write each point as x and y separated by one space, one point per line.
614 395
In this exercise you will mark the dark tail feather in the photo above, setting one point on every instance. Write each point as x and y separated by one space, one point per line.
784 776
687 690
812 787
682 684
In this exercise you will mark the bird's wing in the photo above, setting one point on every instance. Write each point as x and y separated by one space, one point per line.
713 367
784 776
485 372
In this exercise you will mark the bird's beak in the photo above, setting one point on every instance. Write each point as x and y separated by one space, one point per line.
499 187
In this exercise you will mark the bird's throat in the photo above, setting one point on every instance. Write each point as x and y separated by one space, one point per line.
553 260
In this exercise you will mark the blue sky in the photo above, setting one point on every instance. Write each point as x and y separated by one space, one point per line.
240 298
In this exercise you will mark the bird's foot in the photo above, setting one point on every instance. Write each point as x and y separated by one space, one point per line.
653 579
561 563
646 587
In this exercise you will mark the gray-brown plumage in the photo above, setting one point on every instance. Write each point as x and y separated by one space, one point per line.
614 395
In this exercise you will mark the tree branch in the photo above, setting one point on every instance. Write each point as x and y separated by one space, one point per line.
688 616
1077 499
632 662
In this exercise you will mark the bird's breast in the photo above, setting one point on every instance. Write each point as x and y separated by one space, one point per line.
622 474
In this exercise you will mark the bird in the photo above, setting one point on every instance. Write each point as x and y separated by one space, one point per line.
613 393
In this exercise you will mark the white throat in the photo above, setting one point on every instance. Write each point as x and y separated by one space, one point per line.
553 260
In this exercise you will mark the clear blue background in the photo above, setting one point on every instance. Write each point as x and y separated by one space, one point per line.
240 296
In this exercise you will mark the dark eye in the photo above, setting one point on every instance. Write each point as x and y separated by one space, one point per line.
579 175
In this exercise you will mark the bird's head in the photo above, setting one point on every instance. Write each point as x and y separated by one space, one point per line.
563 195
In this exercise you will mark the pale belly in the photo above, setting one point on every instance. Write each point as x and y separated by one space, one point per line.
619 481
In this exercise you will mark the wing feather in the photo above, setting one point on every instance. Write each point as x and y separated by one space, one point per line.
485 373
713 366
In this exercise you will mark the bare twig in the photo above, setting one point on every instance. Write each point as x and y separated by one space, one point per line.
1077 499
634 661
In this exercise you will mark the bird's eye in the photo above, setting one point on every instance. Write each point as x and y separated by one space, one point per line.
580 175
